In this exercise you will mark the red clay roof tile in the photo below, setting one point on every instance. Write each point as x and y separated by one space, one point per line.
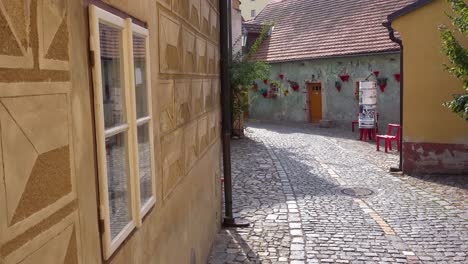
309 29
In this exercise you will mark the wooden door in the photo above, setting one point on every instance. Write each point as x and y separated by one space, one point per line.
315 102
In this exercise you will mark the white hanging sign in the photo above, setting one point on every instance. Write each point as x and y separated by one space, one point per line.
367 104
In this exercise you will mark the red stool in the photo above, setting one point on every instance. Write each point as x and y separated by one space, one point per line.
389 138
366 133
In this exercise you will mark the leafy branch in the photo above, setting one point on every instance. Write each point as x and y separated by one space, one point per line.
244 71
457 55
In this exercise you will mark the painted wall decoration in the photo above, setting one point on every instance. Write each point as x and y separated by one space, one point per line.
367 104
38 200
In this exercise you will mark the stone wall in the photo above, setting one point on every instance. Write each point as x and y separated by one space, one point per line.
336 106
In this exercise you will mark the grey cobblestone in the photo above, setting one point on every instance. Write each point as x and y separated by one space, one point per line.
286 183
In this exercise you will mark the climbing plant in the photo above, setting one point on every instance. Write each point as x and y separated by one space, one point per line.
244 72
457 55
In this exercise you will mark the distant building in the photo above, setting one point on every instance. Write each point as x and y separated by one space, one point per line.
319 51
236 24
251 8
435 140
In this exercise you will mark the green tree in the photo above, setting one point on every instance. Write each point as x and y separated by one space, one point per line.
457 55
243 73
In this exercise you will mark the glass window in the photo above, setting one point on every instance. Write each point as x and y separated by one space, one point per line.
124 125
118 178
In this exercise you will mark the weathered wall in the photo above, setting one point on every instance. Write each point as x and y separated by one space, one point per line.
435 140
337 106
48 197
248 5
236 24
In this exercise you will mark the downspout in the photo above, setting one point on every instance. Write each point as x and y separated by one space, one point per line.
391 32
225 24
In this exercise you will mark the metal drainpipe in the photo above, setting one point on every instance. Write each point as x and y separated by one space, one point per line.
225 25
391 33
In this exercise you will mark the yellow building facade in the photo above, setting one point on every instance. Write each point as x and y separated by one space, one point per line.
251 8
434 139
109 131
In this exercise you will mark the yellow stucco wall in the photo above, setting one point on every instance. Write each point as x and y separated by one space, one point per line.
48 182
426 84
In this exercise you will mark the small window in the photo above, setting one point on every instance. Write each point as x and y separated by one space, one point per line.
124 124
252 13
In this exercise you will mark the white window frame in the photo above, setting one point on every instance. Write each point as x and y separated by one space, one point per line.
138 211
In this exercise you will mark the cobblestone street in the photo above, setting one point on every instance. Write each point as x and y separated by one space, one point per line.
290 183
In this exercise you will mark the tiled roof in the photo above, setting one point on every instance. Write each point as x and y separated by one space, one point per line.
309 29
252 27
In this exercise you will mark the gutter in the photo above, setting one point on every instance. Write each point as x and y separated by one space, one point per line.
391 33
226 55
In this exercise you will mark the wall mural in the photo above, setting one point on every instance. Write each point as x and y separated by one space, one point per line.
37 182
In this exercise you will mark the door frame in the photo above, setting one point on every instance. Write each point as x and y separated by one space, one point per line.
309 90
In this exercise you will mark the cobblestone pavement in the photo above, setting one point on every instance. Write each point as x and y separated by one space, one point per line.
288 182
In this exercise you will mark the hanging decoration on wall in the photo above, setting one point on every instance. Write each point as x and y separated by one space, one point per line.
376 73
286 92
344 78
281 76
382 82
294 85
338 86
397 77
264 93
265 81
356 91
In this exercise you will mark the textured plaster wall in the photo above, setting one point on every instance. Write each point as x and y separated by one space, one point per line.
248 5
236 24
435 140
426 80
185 81
337 106
49 203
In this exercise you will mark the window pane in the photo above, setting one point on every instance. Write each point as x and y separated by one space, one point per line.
144 160
117 176
139 60
112 70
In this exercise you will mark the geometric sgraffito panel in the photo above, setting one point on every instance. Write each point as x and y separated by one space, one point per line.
58 250
190 145
203 136
189 51
211 58
167 118
214 25
205 17
15 45
214 126
52 27
201 56
208 94
169 44
216 92
198 106
36 153
173 161
183 103
181 7
194 12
